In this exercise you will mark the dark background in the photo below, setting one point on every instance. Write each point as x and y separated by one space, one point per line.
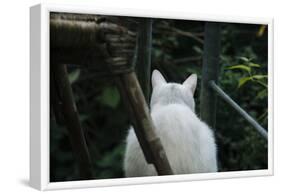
177 52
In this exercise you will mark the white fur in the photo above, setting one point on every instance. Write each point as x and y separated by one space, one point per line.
189 143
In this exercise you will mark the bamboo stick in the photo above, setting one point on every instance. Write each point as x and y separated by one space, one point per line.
142 122
73 125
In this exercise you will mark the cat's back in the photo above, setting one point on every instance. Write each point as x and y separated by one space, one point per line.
185 138
174 116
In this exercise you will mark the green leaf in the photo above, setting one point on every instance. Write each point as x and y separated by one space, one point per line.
262 83
261 30
242 67
245 59
197 49
253 65
110 97
259 76
73 76
262 94
243 80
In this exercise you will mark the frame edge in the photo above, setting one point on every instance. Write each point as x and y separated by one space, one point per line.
35 179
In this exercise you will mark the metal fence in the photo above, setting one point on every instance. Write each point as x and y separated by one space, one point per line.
210 89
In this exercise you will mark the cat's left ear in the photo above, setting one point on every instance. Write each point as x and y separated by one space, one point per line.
157 78
191 82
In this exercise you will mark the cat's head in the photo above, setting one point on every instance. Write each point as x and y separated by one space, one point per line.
164 93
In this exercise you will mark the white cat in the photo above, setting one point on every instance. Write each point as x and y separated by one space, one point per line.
188 142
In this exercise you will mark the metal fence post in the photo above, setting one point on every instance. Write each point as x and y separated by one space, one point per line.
210 71
143 64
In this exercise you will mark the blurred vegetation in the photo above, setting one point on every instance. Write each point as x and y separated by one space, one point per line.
177 52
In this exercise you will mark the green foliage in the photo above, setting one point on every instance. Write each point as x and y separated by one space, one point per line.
251 74
243 67
110 163
110 97
245 80
74 75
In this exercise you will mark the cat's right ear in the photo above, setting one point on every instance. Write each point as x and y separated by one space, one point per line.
157 78
191 82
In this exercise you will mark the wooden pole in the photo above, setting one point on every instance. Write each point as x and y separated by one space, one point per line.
210 72
143 124
143 64
73 125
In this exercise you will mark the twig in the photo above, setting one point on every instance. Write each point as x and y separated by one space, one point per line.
73 125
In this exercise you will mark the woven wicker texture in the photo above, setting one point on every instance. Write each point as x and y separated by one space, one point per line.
103 43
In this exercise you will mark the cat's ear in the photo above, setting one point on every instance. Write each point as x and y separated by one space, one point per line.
157 78
191 82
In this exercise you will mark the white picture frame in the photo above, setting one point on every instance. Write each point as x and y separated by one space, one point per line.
39 102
